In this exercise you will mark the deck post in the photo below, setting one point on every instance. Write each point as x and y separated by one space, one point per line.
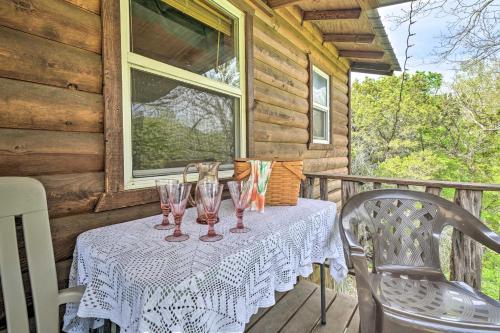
466 254
322 288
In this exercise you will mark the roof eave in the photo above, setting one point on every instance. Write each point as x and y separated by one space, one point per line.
379 29
384 3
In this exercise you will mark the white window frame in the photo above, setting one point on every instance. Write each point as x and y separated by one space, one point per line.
132 60
322 108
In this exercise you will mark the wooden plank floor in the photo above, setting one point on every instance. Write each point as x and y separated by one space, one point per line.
299 311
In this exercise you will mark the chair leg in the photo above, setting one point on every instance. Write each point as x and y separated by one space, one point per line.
322 289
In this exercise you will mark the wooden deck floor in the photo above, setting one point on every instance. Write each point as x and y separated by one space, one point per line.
298 311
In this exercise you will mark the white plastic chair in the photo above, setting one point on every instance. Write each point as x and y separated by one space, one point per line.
25 198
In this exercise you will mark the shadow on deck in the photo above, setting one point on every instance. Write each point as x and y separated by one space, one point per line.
298 311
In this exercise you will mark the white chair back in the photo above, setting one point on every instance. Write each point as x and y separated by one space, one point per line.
24 198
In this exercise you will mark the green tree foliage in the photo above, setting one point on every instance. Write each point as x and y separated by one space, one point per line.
444 133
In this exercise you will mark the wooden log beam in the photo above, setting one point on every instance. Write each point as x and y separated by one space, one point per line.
269 56
260 5
277 115
265 132
74 193
93 6
283 150
349 38
59 21
466 254
327 163
270 75
315 33
288 26
340 107
66 229
340 118
30 58
37 106
370 66
368 71
38 152
361 54
281 3
338 95
274 96
266 34
331 14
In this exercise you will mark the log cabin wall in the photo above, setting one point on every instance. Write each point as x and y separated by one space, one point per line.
281 48
52 106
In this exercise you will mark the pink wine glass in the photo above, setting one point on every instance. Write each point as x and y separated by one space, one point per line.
162 187
211 195
177 197
240 193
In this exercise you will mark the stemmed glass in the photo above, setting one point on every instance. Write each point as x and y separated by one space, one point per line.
211 195
162 187
240 193
177 197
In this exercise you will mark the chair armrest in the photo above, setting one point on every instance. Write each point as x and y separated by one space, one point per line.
352 242
491 240
478 231
71 295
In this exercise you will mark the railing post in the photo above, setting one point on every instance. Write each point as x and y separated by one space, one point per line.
466 254
323 189
349 188
377 186
433 190
307 187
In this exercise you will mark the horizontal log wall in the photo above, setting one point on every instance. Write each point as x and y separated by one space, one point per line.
52 110
52 107
281 45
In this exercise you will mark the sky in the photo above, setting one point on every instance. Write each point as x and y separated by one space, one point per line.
427 30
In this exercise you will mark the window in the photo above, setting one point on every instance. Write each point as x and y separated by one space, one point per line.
183 86
321 106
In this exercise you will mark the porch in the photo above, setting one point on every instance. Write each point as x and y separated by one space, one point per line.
298 311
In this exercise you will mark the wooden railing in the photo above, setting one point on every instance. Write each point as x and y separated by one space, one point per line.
466 255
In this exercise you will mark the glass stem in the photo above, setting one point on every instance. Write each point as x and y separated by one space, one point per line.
166 213
211 222
239 219
177 230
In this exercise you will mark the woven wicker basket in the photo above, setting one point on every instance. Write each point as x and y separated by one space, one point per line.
284 184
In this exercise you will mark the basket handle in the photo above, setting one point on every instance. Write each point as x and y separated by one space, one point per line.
243 175
295 171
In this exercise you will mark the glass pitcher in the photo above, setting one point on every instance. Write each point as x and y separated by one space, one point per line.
208 172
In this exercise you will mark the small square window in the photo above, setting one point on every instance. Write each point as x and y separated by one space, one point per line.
321 107
320 123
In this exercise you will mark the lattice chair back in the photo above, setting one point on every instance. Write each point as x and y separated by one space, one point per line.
24 199
402 231
402 226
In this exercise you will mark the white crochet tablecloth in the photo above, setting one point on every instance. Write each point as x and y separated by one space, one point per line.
144 284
